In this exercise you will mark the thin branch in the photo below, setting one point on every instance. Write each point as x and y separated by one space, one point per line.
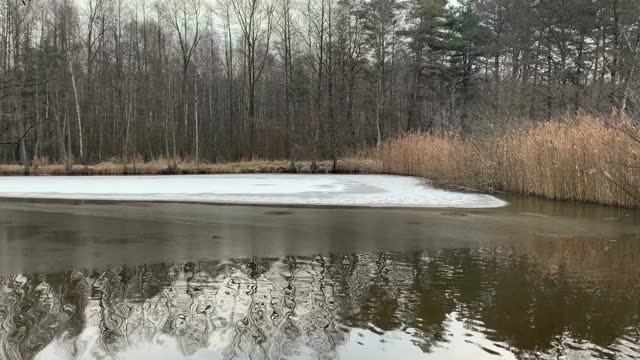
23 137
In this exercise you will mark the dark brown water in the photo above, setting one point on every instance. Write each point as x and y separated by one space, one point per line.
539 280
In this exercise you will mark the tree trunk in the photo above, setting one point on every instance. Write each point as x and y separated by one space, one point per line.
77 103
195 118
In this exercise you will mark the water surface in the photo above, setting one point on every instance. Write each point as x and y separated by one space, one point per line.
102 280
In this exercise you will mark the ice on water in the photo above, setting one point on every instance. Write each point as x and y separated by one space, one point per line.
332 190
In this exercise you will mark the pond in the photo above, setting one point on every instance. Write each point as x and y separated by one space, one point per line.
140 280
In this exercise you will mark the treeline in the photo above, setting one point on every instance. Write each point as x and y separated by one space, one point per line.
92 80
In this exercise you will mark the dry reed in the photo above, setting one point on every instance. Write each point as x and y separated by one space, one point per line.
583 159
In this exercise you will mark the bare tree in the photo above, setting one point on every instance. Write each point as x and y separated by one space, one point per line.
315 16
286 30
186 19
255 18
380 17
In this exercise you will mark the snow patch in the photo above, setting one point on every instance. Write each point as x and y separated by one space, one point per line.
268 189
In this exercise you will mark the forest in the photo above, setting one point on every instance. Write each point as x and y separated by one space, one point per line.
228 80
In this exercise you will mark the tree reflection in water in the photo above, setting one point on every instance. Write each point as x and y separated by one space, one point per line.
480 303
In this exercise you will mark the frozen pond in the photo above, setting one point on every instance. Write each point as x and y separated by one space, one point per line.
330 190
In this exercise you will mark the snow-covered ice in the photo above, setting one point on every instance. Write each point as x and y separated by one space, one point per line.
335 190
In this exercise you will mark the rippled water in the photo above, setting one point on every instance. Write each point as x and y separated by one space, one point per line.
110 281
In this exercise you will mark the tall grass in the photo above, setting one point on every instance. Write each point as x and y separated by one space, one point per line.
445 158
583 159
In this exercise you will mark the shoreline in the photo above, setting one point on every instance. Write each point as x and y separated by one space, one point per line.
582 159
162 167
346 166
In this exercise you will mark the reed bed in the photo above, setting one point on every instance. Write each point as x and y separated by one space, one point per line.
444 158
583 159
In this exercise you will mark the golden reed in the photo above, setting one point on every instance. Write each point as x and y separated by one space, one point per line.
583 159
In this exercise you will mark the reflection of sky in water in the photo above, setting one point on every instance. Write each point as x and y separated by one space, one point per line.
435 304
461 342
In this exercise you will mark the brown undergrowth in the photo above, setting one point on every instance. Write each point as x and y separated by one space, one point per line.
164 167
